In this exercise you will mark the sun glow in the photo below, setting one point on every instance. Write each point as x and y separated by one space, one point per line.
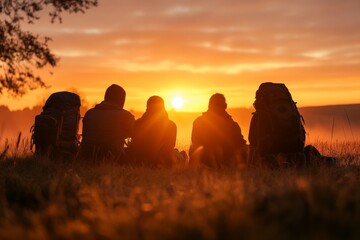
177 102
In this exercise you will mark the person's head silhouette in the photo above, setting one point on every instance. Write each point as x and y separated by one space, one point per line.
115 95
217 102
155 104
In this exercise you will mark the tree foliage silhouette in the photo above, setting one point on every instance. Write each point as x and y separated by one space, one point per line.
23 52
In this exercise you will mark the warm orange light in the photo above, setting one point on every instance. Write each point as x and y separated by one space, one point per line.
177 102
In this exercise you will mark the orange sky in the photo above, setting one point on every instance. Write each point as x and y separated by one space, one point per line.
196 48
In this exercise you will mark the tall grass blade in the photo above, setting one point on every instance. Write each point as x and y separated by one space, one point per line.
332 130
18 140
349 122
4 152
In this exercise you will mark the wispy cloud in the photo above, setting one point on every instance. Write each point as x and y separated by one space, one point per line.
75 53
204 69
227 48
177 10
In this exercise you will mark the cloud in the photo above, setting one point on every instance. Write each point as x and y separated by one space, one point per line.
227 48
177 10
88 31
234 69
218 44
75 53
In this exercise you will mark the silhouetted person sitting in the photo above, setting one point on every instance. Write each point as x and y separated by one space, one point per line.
106 126
154 136
216 138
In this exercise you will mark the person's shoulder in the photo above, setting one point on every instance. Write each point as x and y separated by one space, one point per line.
89 112
172 124
127 114
200 118
229 118
197 121
139 121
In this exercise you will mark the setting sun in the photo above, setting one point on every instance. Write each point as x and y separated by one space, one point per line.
177 102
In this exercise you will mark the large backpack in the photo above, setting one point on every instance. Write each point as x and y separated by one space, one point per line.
276 125
55 132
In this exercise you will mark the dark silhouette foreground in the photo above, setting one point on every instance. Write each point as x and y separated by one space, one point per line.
277 134
55 132
216 139
106 126
154 138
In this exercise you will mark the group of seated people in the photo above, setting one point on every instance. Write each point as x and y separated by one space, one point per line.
110 131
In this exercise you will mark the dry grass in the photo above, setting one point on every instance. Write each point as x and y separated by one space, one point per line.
42 199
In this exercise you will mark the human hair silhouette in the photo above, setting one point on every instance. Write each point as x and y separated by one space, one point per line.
217 102
216 139
155 104
116 95
106 126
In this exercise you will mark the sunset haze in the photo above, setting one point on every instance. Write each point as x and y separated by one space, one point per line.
193 49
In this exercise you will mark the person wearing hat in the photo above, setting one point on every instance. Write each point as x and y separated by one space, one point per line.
154 138
216 139
106 126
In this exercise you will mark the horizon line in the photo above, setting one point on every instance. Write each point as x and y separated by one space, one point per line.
182 111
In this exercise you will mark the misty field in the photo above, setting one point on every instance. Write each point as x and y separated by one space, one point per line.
43 199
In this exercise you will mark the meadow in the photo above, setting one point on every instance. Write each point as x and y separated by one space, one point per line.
48 199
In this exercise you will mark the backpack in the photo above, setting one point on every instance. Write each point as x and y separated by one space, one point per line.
276 125
55 132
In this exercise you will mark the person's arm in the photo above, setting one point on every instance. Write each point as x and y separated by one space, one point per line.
195 135
240 141
253 131
130 126
253 140
170 137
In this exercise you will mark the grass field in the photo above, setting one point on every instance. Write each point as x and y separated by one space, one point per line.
43 199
